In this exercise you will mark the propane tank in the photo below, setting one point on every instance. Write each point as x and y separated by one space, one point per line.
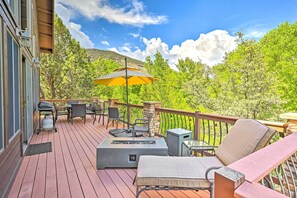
47 123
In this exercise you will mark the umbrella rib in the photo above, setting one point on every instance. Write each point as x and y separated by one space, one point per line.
144 80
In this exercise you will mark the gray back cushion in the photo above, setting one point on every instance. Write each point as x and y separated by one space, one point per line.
244 138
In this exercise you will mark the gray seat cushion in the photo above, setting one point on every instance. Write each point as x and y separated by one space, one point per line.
175 171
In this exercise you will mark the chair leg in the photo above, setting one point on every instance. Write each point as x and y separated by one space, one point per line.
85 119
99 119
94 119
107 123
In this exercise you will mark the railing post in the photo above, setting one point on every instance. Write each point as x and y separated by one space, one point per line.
226 182
150 107
197 126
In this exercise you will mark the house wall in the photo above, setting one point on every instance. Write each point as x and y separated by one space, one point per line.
12 131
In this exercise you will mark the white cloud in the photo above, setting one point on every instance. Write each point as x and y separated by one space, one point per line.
105 43
255 34
75 29
210 48
134 35
133 15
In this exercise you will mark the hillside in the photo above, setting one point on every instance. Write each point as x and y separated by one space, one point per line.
120 59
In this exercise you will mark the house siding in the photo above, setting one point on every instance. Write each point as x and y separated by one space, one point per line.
12 154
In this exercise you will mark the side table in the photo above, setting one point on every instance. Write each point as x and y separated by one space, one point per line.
195 145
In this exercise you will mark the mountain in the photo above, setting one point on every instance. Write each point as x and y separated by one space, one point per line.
119 58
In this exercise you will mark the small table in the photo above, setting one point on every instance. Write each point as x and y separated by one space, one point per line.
196 145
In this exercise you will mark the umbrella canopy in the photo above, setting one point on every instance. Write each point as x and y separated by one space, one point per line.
124 77
118 77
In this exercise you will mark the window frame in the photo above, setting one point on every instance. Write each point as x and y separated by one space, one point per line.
13 100
13 7
1 90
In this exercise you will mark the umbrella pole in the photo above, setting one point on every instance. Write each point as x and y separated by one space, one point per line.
127 98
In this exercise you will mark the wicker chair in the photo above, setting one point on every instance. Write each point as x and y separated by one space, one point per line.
114 116
60 112
78 110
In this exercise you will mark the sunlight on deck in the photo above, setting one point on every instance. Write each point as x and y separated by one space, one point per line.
70 169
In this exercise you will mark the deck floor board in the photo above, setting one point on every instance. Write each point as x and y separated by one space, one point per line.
70 169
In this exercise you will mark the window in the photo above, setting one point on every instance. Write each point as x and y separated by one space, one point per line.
13 87
26 17
14 7
1 94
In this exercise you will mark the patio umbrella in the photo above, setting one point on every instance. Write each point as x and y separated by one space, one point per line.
125 77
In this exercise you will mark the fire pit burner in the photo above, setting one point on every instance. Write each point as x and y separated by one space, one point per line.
133 142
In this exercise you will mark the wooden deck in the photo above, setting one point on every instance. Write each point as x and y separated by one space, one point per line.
70 169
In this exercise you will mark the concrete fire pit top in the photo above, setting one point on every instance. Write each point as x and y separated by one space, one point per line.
133 142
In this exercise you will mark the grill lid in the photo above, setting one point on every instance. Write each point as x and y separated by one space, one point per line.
45 105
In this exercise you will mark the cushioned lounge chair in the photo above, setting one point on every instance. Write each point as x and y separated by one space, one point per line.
196 173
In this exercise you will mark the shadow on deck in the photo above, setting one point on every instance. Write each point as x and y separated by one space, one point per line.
70 169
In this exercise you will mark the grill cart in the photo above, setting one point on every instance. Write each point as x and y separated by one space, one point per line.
48 122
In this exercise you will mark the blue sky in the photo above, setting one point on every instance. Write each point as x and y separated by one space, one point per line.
200 29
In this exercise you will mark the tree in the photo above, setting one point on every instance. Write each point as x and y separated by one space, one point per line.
280 49
167 89
67 73
241 86
193 76
246 85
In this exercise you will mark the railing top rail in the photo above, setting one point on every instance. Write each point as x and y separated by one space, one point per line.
276 125
273 154
254 190
174 111
64 100
220 118
130 105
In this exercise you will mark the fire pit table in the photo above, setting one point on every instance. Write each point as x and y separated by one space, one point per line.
123 152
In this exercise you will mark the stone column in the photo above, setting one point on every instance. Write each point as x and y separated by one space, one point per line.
112 102
150 108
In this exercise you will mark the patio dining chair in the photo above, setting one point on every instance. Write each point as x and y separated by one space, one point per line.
101 112
78 110
197 173
114 116
60 112
91 110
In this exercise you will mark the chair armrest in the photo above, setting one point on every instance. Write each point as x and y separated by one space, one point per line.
208 171
141 119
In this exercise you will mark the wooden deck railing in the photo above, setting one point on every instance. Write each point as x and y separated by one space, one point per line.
210 128
269 172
